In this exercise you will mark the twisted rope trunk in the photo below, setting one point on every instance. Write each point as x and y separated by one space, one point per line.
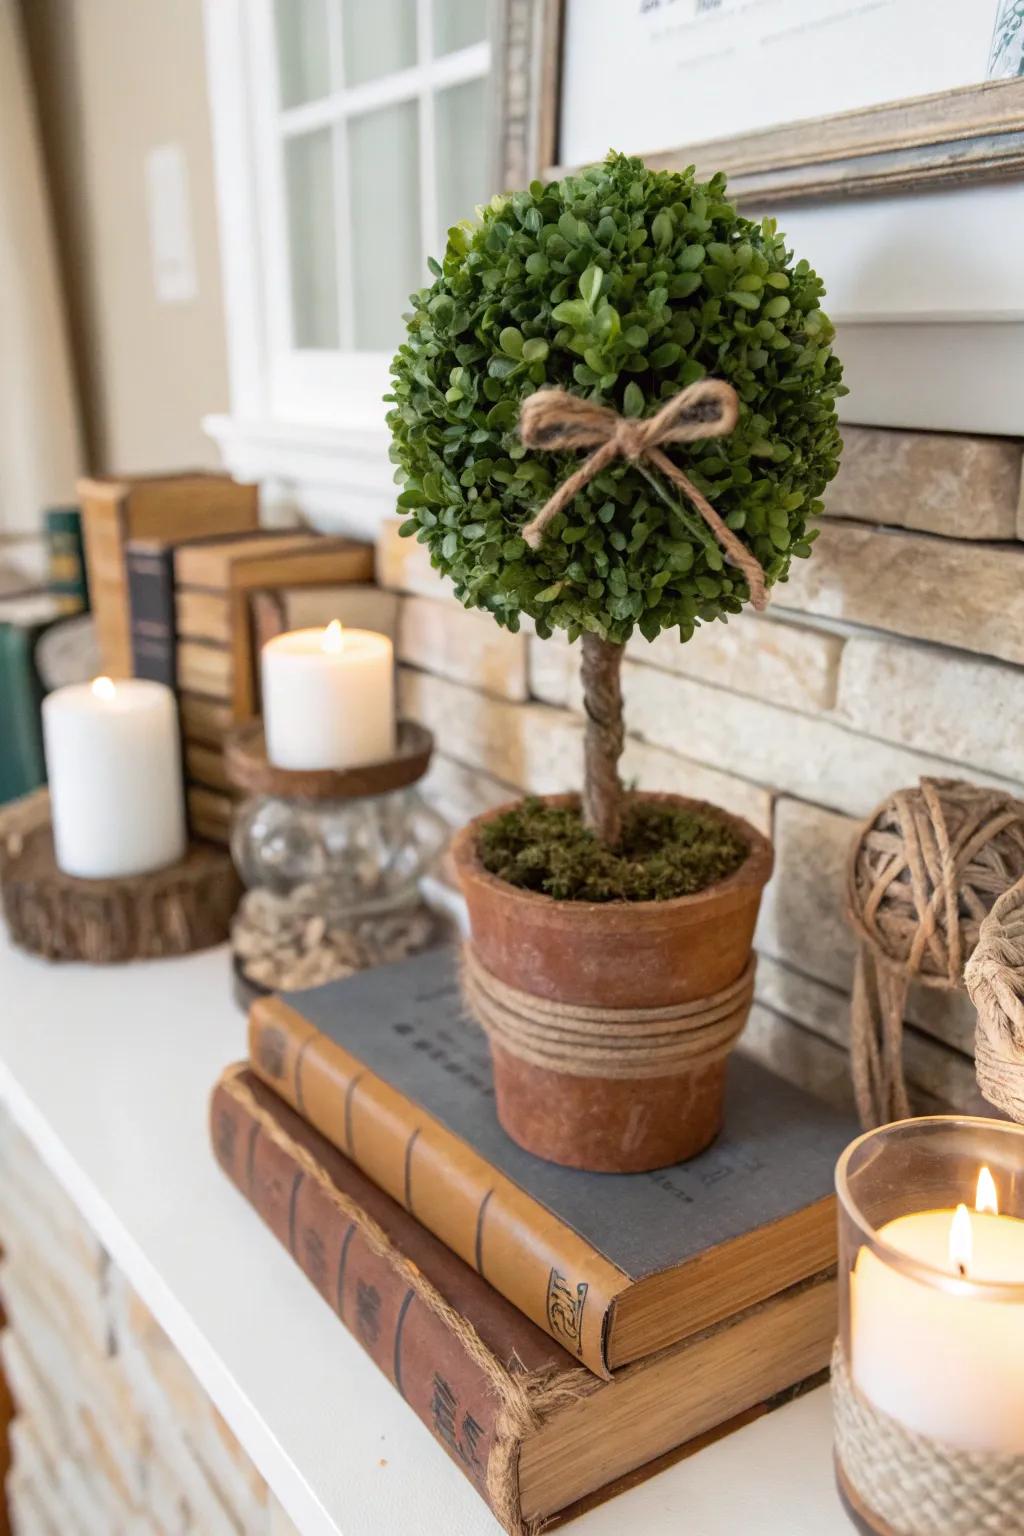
601 671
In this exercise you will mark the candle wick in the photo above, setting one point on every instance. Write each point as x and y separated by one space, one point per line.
962 1270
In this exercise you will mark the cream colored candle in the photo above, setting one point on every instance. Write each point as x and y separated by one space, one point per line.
328 698
947 1364
113 760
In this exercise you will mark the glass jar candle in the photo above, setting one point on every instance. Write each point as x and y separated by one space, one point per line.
931 1325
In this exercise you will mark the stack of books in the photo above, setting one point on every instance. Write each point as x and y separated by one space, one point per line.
191 628
165 507
557 1331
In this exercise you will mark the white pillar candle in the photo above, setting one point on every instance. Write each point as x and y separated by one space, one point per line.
328 698
113 759
946 1363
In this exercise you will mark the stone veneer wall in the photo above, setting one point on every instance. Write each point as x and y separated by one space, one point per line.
112 1433
896 651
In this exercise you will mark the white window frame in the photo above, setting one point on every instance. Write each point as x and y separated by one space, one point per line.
309 422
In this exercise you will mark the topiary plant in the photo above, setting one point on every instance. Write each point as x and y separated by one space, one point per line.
622 285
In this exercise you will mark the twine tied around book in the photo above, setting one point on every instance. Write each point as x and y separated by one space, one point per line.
916 1485
923 872
525 1401
555 421
995 981
584 1041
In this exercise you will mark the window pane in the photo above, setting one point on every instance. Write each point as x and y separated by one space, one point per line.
378 37
463 144
303 55
385 224
309 187
458 23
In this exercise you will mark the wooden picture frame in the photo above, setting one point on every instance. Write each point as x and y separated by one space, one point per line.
968 135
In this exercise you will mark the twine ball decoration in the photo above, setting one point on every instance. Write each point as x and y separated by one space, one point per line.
995 981
924 872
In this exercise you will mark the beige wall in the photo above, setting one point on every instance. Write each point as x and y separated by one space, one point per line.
116 78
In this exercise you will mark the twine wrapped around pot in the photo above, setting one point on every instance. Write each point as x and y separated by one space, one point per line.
923 873
918 1486
995 981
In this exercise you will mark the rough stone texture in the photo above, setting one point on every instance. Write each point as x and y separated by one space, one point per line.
813 758
941 1074
935 482
786 663
799 1056
404 566
463 645
112 1432
803 919
966 595
459 793
942 701
528 745
652 768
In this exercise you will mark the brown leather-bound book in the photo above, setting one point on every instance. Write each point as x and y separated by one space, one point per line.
532 1430
613 1266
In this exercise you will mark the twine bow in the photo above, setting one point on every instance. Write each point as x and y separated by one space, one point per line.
556 422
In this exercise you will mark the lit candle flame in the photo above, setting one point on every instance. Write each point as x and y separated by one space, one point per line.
961 1241
103 688
333 640
986 1199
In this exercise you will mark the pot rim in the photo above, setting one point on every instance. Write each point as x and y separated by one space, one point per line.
755 871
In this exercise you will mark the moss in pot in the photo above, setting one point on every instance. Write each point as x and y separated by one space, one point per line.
610 957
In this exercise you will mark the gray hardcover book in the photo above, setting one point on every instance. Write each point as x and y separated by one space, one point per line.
388 1067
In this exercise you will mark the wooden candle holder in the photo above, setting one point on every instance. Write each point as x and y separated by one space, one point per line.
249 768
173 911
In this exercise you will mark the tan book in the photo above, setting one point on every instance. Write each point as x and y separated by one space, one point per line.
276 610
209 813
202 615
174 507
205 765
234 568
203 719
205 669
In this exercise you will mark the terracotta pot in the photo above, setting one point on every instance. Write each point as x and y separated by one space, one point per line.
639 954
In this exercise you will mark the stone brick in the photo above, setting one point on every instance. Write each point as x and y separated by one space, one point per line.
935 482
782 662
803 918
653 768
813 758
458 793
799 1056
463 645
938 1072
528 745
956 593
963 708
403 565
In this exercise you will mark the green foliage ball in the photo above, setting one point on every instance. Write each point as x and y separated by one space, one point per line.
623 285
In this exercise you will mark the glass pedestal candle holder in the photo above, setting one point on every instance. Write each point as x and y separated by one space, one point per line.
339 859
332 862
928 1368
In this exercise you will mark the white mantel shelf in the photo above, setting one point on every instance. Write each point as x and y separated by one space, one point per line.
108 1071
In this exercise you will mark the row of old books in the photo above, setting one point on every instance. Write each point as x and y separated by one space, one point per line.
185 587
561 1333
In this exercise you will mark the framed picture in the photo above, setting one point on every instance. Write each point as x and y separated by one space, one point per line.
794 99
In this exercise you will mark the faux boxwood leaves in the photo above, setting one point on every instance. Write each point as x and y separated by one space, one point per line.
624 285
